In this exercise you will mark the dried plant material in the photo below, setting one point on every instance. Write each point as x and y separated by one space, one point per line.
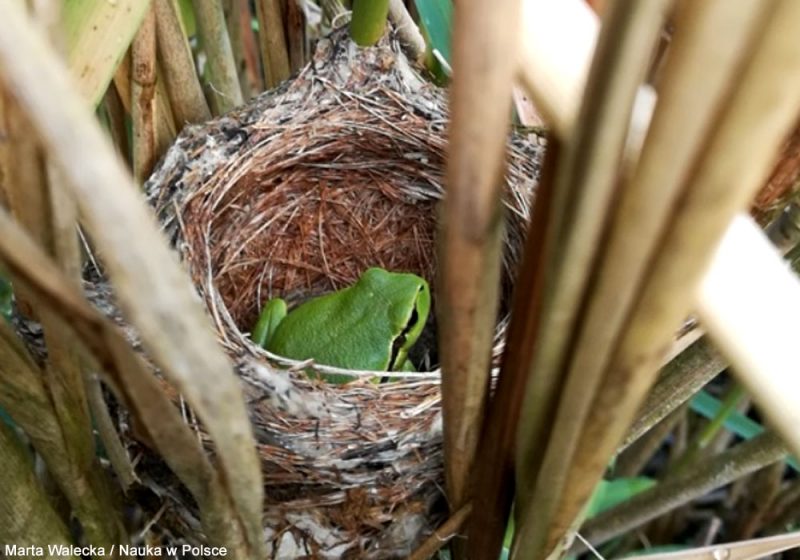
128 374
726 174
493 481
170 320
567 364
782 184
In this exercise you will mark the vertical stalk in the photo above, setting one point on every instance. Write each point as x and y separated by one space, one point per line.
143 103
274 55
223 80
183 86
369 21
470 241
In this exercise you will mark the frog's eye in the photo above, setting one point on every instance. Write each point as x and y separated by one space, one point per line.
400 339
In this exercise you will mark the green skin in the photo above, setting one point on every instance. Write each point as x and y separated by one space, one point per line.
370 325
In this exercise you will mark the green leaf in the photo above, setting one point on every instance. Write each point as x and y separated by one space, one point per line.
707 406
609 493
97 33
436 17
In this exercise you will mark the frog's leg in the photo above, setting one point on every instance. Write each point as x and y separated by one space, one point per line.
271 315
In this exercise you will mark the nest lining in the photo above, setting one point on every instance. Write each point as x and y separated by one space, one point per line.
297 194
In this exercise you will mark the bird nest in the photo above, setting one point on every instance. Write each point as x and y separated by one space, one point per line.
296 194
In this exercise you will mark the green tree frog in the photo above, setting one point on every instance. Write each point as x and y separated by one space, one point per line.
370 325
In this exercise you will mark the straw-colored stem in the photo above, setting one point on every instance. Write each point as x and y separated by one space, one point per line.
442 535
274 56
223 79
185 92
492 481
585 190
471 238
725 177
51 219
143 91
369 21
554 65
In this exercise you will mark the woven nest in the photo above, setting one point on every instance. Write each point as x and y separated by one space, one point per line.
297 194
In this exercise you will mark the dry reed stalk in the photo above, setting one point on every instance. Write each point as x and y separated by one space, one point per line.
274 55
725 176
493 481
170 320
296 40
185 92
680 379
586 181
470 241
51 220
143 92
223 80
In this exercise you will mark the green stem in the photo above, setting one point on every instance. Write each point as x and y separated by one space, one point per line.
369 21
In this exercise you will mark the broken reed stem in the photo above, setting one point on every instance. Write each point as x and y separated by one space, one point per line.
183 86
223 80
685 486
143 100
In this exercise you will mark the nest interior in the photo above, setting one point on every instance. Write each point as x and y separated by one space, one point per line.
296 194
